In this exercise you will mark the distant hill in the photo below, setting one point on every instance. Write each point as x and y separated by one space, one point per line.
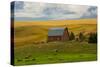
56 22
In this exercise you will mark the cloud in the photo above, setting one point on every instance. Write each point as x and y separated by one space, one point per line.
91 13
53 11
62 11
29 10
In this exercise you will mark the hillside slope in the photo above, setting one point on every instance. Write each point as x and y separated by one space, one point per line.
30 32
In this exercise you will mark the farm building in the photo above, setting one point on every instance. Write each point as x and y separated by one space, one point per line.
58 34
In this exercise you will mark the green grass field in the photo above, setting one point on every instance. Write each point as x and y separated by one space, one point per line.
45 53
31 47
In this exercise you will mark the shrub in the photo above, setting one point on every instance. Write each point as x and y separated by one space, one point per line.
19 60
33 59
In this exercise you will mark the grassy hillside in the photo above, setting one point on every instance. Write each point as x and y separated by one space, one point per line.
29 48
45 53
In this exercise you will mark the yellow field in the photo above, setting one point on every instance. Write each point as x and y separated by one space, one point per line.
37 31
55 22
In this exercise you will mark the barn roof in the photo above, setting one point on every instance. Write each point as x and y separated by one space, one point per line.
55 31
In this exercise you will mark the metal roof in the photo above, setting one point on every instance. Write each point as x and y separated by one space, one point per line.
55 31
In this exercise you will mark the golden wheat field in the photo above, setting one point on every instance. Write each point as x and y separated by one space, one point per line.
37 31
55 22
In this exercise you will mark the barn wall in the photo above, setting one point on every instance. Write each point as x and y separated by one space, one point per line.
65 36
54 38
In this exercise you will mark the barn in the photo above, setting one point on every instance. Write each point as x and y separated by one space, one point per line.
58 34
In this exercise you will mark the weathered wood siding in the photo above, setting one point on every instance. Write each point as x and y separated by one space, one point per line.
63 37
54 38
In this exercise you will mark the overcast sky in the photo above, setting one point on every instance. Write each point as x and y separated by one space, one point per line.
51 11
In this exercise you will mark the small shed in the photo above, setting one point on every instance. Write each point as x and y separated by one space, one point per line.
58 34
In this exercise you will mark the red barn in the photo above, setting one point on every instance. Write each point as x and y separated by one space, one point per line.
58 34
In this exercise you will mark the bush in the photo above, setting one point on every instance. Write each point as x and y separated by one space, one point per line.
71 36
92 38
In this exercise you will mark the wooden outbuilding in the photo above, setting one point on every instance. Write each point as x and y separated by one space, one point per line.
58 34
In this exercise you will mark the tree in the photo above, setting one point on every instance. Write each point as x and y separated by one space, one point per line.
81 36
92 38
71 36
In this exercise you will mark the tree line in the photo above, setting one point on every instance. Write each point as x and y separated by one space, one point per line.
92 37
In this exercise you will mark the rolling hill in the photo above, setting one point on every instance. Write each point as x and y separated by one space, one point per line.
30 46
37 31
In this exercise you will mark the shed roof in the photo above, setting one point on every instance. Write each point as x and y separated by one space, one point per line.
55 31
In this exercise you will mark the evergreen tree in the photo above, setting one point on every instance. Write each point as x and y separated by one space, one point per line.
81 36
92 38
72 36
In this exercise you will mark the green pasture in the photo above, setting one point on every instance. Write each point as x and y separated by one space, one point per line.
55 52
